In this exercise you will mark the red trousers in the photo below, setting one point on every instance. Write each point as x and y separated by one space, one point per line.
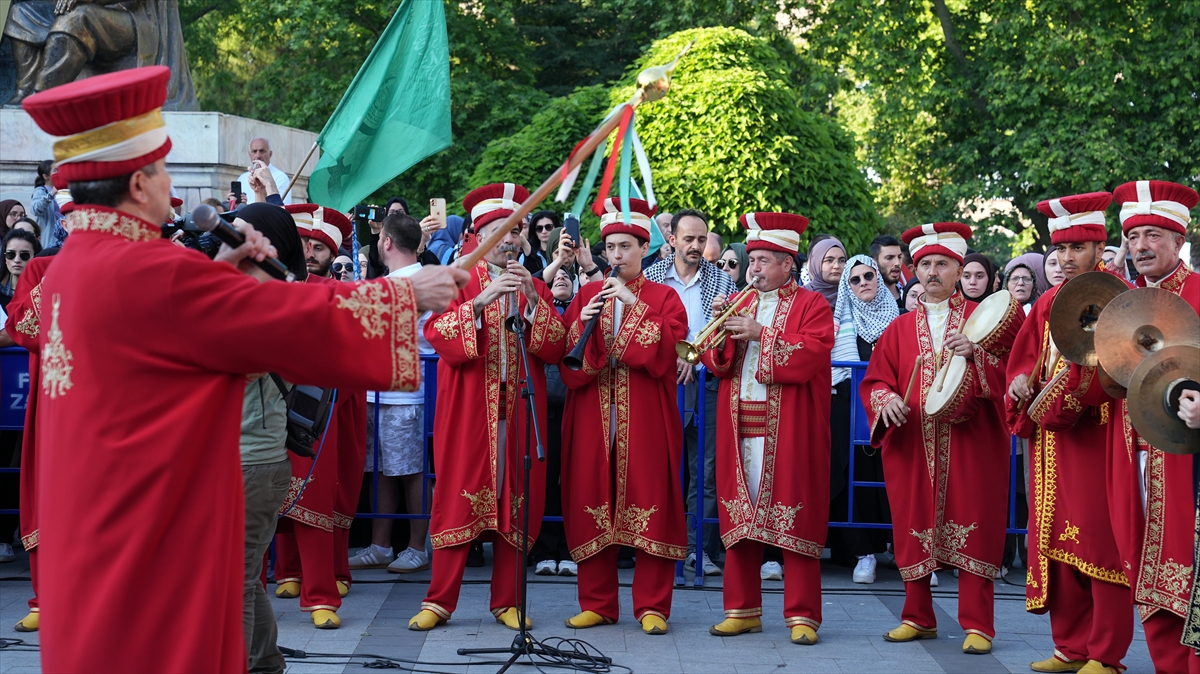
653 582
1163 632
304 554
341 555
976 613
743 585
33 578
1089 619
448 566
351 456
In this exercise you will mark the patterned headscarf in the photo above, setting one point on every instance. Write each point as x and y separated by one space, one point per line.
870 319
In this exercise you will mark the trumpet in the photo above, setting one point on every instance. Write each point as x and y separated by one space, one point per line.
705 340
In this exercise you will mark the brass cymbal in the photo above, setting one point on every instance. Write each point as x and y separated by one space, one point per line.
1154 397
1076 309
1110 385
1140 322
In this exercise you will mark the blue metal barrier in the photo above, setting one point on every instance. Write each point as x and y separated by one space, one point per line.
14 387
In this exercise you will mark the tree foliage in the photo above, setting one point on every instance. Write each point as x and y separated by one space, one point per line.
962 102
731 137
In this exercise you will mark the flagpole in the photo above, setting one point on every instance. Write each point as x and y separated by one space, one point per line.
292 182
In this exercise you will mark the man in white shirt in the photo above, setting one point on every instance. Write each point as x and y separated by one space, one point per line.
401 428
260 150
697 281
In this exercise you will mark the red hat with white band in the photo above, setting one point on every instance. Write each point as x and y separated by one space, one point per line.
493 202
112 123
943 238
1078 218
65 202
612 220
779 232
326 225
1157 203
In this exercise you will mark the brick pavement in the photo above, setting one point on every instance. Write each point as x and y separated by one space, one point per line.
375 617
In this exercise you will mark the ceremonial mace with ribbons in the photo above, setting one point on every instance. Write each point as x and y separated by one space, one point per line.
652 85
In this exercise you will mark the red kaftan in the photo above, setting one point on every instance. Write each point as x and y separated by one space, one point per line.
620 474
144 361
791 508
475 491
947 483
24 326
1156 543
1069 521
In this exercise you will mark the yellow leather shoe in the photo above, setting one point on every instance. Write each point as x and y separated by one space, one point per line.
343 588
1056 663
1097 667
425 621
731 627
976 644
906 632
804 635
29 623
585 620
288 590
324 619
509 619
652 624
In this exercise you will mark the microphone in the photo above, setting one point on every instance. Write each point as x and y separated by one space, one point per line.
204 218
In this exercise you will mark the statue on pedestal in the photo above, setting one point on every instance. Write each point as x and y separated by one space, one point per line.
58 41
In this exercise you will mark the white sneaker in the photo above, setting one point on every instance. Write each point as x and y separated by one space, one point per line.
6 553
771 571
864 571
1002 572
710 568
409 561
933 579
372 557
568 568
546 567
689 562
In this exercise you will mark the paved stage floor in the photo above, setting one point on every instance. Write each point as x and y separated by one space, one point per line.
375 618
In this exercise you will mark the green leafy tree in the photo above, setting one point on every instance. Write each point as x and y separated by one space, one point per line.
960 103
732 137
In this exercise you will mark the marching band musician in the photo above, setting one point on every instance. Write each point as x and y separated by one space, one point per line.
622 436
947 483
773 433
1150 491
478 458
1075 571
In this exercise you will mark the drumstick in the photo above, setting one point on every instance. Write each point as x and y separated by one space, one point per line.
912 378
1036 375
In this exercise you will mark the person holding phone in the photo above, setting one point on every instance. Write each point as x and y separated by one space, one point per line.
260 151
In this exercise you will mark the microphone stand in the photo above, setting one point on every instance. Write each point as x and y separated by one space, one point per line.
524 644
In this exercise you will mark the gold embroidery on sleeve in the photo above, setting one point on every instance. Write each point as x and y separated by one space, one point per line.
366 303
447 325
649 333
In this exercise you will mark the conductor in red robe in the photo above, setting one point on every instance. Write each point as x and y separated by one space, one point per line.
772 433
24 326
145 348
480 426
622 435
1150 491
947 478
1075 571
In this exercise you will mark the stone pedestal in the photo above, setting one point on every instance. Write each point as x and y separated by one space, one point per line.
209 150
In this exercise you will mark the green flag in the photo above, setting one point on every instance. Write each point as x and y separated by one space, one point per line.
395 113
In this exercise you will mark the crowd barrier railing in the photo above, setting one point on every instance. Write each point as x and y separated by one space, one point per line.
14 389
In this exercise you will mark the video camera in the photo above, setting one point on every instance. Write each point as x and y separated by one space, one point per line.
191 236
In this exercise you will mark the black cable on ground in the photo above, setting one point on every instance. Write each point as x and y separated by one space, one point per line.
570 654
18 645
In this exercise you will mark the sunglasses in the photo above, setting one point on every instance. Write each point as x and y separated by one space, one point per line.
867 277
543 228
722 264
12 254
339 267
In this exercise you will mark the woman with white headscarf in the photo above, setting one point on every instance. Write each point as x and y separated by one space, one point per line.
861 314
